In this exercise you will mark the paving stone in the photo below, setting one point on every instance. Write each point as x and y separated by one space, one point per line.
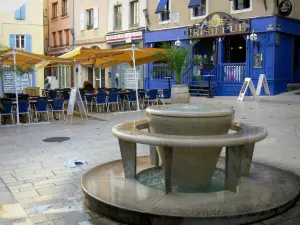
38 218
46 223
25 194
293 212
294 221
6 197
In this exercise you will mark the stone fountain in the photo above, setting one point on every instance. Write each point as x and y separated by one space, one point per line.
185 181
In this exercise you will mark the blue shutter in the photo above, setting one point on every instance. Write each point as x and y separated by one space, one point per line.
161 6
18 14
23 12
195 3
28 43
12 41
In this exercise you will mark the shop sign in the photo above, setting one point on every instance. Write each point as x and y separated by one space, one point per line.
127 37
219 24
285 7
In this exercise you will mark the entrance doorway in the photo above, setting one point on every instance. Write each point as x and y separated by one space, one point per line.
235 49
296 74
206 50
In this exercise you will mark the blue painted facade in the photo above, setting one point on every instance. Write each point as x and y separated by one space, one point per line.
279 40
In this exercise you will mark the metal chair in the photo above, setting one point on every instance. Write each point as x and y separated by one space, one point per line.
58 106
7 110
88 100
24 108
166 96
152 96
101 100
131 99
113 99
41 106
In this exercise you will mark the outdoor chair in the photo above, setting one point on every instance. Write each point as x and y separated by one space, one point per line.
88 100
101 100
131 99
166 96
57 106
41 106
7 110
24 109
113 100
152 96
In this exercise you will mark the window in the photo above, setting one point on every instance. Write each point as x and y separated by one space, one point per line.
20 42
235 49
54 10
64 7
200 11
60 38
67 32
89 19
241 4
117 17
54 39
134 13
165 16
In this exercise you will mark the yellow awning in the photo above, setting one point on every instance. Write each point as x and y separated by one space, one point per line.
26 60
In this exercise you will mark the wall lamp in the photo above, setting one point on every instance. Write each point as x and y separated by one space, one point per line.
253 38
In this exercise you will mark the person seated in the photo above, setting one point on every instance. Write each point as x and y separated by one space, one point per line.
87 86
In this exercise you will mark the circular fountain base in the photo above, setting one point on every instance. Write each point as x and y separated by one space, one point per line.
265 193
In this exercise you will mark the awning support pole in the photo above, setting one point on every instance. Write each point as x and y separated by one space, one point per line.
136 80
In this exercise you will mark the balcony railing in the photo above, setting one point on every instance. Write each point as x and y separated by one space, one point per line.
233 72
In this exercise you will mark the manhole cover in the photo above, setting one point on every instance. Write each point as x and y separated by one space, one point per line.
56 139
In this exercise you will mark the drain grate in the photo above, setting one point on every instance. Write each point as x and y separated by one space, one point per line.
56 139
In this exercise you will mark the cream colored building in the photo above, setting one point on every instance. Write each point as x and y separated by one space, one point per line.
24 29
90 25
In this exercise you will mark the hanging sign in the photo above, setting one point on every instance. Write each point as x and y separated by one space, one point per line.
247 83
285 7
75 99
219 24
262 82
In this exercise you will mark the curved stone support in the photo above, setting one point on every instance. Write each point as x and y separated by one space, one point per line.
128 153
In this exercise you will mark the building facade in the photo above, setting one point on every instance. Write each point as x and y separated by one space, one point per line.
126 26
234 39
22 29
90 29
59 39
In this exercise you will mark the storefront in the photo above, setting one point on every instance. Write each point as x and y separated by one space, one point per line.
122 76
232 49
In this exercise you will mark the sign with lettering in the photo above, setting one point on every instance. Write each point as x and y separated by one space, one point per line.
262 82
219 24
124 37
247 83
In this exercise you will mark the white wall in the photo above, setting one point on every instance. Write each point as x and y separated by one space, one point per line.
125 14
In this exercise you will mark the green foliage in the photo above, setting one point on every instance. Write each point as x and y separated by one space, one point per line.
177 59
89 26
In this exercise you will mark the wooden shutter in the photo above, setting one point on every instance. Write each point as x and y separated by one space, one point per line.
12 41
23 12
82 20
28 43
96 18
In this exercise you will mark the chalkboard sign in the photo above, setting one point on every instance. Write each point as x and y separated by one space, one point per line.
247 83
75 99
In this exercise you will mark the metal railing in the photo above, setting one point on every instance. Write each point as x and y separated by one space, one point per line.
233 72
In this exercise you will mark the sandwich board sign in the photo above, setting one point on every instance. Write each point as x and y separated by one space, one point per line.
75 99
247 84
262 82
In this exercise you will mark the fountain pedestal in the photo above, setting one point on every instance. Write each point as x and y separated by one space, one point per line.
192 167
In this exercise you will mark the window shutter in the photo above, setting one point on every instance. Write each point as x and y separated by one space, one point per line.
81 19
96 18
23 12
28 43
12 41
18 14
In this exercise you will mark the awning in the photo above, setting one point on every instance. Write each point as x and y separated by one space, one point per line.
161 6
195 3
26 60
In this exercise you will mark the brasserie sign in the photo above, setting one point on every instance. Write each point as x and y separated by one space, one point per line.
219 24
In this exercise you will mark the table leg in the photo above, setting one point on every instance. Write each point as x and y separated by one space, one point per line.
209 88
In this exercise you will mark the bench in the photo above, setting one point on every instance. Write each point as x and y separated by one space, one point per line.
239 148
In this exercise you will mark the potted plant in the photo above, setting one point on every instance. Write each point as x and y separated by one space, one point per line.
178 60
89 26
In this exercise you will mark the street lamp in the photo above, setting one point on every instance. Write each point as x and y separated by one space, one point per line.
178 43
253 38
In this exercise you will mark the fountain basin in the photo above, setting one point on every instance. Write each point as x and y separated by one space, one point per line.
192 167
